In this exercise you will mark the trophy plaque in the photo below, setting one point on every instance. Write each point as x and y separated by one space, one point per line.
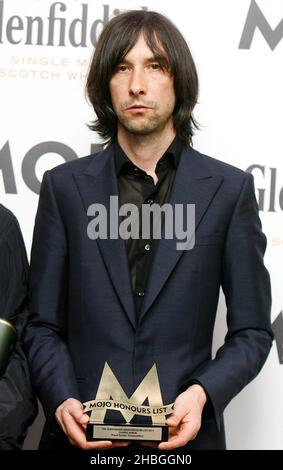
111 396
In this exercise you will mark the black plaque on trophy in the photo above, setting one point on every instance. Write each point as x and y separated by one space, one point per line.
126 432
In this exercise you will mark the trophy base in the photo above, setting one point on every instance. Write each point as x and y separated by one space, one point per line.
126 432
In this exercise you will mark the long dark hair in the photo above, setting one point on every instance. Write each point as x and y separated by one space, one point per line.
166 42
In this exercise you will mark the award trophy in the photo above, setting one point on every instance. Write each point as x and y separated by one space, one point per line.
109 387
8 335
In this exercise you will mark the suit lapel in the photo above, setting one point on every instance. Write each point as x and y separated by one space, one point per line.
96 185
193 184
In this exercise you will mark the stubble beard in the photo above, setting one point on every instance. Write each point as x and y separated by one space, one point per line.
143 125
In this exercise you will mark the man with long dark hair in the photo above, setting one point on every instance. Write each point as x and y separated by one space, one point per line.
139 301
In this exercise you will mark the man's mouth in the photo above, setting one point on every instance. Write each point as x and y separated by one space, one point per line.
137 106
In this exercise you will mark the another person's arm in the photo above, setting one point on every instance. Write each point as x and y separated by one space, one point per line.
18 406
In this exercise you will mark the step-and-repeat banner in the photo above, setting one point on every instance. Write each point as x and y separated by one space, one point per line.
45 48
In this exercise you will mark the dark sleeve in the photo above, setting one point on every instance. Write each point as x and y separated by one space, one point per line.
18 406
50 361
246 286
13 276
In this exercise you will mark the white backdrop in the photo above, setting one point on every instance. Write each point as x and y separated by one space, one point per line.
238 49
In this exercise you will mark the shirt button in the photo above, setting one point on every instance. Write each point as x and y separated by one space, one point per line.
147 247
141 293
136 169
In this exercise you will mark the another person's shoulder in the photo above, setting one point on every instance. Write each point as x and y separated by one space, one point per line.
6 215
8 222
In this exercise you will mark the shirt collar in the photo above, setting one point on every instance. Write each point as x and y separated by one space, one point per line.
172 155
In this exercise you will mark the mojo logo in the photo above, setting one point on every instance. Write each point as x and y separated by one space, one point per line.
256 19
277 327
270 196
55 29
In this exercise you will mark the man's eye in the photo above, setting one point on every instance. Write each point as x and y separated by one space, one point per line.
122 68
155 66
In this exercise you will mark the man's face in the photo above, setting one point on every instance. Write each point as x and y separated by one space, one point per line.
142 92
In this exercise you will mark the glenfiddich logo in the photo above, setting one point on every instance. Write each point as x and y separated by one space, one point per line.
268 186
55 28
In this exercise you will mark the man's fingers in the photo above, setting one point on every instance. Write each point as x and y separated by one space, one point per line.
74 430
176 419
72 407
73 421
75 408
119 444
179 411
173 443
153 445
181 435
84 419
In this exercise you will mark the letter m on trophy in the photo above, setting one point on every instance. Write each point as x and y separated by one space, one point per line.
111 396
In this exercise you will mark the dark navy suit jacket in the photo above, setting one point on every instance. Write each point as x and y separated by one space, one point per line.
82 306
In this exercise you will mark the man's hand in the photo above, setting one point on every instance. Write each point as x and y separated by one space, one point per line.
185 421
73 421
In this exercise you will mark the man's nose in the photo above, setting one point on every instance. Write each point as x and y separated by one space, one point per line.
137 85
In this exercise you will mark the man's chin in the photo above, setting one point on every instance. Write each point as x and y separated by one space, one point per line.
140 130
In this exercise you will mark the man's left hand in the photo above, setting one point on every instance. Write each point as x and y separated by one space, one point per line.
185 421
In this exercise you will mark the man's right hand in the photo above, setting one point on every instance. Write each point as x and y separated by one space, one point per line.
73 420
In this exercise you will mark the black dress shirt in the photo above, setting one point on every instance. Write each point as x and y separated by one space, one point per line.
137 187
